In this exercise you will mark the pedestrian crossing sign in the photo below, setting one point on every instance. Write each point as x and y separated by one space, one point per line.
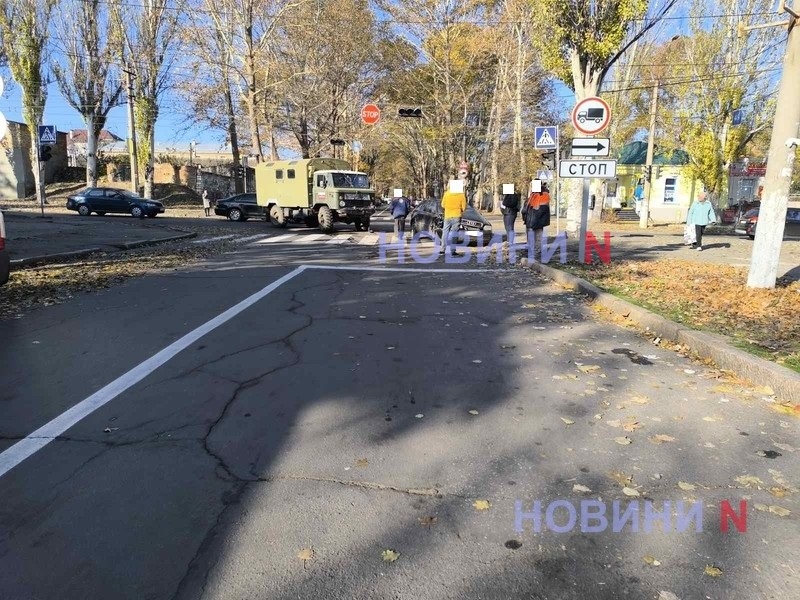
47 134
545 137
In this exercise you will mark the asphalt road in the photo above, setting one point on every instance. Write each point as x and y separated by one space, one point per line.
354 409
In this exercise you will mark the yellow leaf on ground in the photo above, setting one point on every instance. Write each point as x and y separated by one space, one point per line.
589 368
473 412
640 399
306 554
390 555
749 481
631 425
686 487
661 438
568 421
362 462
629 491
651 560
712 571
621 478
623 441
780 511
481 504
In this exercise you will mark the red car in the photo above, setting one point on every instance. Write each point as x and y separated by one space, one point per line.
748 222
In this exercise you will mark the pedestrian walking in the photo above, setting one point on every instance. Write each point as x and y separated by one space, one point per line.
400 208
206 203
454 203
701 214
536 214
509 206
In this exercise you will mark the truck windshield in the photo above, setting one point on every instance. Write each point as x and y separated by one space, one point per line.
351 180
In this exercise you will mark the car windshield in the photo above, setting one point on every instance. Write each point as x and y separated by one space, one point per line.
351 180
128 194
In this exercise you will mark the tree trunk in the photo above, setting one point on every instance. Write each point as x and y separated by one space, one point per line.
233 135
91 150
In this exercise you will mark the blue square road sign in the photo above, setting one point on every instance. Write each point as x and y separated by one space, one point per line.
545 137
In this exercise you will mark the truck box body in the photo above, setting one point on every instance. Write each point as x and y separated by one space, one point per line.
315 191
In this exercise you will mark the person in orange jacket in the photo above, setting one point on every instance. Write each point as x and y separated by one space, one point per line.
536 215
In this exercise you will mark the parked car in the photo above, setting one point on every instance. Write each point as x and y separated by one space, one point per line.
112 200
240 208
5 262
748 222
429 216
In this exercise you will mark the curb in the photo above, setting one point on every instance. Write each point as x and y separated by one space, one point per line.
785 382
34 260
142 243
45 258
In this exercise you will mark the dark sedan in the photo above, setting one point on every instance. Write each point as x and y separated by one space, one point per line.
429 216
747 224
240 208
112 200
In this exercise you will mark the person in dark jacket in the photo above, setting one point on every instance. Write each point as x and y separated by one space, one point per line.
400 208
509 206
536 214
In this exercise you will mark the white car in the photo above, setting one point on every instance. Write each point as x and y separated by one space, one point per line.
5 263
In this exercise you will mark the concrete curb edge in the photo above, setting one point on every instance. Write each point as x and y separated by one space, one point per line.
44 258
785 382
143 243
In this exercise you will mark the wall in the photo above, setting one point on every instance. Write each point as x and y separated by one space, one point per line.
16 174
662 210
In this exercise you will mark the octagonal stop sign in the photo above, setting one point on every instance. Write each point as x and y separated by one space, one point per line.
370 114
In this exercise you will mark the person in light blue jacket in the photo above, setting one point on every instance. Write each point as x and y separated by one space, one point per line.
701 213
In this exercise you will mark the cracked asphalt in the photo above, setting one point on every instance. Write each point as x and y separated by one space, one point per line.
357 411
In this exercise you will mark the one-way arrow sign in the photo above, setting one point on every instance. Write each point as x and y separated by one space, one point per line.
590 146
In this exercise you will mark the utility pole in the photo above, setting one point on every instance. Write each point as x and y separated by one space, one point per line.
132 130
772 213
644 211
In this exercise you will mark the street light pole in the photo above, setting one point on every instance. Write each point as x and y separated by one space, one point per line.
644 211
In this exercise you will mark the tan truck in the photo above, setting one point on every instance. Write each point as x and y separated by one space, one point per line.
315 191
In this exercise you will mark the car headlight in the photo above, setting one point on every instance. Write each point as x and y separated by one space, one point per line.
341 203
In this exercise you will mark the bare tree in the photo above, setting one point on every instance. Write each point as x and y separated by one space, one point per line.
87 79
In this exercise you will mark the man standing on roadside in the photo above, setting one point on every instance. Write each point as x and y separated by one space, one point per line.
700 215
454 203
400 208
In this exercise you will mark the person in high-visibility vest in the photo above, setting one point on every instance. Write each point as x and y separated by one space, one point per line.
536 214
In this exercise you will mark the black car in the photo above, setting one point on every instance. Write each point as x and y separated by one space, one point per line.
429 216
746 225
112 200
240 208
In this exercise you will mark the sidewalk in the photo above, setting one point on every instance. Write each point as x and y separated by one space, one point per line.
629 242
34 239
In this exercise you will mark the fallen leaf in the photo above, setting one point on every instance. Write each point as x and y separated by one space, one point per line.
651 560
306 554
531 356
667 596
623 441
390 555
578 488
428 521
568 421
766 390
686 487
473 412
749 481
711 419
621 478
785 447
778 492
779 510
362 462
640 399
477 361
629 491
613 423
481 505
631 425
661 438
712 571
589 368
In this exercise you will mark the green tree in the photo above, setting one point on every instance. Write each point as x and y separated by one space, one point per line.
25 31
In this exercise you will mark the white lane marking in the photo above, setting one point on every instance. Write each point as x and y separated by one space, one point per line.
341 239
312 238
369 240
213 239
279 238
395 269
252 237
37 440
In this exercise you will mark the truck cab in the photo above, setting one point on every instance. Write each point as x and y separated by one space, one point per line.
317 192
591 114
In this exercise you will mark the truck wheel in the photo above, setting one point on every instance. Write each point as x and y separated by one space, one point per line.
325 217
276 216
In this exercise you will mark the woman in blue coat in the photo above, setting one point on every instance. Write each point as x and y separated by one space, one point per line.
701 213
